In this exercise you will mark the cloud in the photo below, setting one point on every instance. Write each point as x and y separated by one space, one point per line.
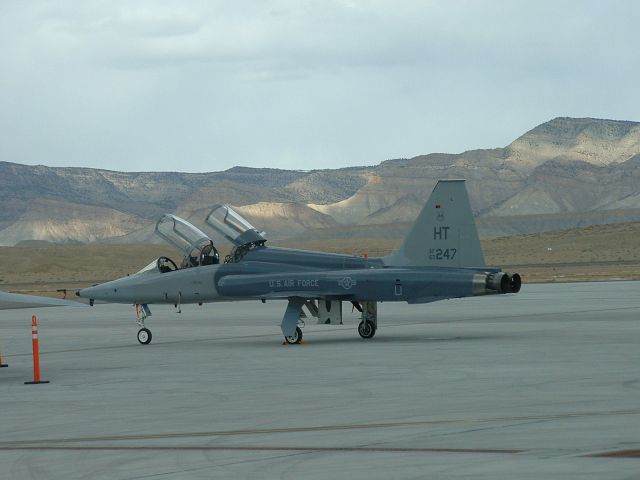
200 85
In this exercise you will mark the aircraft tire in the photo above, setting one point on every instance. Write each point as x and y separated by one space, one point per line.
144 336
366 329
295 338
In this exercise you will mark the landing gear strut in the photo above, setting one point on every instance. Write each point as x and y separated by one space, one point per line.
369 324
144 334
291 321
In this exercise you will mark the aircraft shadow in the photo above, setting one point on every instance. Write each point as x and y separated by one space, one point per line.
311 340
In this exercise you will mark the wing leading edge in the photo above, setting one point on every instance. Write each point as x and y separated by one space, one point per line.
10 301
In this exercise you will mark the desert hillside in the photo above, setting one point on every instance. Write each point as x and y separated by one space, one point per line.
565 173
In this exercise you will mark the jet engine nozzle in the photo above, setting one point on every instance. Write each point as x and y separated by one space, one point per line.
498 281
502 282
515 282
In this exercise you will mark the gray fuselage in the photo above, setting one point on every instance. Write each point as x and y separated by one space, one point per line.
270 272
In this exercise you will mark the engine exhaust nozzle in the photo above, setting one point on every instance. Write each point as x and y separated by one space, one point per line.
502 282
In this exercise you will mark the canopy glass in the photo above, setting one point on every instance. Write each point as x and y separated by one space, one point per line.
194 244
226 221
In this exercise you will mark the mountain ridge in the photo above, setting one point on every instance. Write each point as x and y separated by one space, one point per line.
563 166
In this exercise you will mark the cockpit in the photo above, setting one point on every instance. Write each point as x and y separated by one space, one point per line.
196 247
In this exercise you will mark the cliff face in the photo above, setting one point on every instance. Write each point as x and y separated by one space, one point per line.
598 142
564 173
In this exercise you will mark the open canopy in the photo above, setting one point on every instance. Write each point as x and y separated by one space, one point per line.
194 244
223 219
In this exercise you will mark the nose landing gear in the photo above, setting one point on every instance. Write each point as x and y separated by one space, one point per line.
144 334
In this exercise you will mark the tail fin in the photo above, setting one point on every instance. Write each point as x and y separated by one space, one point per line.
444 234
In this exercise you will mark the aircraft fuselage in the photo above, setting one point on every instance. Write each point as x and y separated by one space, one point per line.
269 273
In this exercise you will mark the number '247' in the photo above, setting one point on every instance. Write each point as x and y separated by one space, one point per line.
442 254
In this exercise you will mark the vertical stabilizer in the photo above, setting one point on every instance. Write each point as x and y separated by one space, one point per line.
444 234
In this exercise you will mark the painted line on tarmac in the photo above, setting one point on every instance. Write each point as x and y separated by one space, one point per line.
318 428
261 448
632 453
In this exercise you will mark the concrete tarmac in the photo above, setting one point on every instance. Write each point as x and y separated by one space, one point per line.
543 384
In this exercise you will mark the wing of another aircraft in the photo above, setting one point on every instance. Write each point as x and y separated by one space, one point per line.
16 300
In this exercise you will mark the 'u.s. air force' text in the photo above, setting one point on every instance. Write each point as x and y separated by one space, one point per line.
289 283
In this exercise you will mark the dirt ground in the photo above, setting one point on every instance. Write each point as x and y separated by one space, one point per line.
603 252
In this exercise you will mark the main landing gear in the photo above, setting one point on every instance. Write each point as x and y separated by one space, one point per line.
294 339
144 334
292 320
366 329
369 323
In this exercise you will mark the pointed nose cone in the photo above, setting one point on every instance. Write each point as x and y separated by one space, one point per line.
114 291
121 290
97 292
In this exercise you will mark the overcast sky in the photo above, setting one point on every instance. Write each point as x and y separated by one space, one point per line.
203 85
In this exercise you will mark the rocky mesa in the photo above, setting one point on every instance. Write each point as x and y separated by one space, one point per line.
565 173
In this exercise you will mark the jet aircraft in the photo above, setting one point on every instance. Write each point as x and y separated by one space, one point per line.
440 258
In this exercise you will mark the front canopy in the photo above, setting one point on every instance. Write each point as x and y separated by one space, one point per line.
194 244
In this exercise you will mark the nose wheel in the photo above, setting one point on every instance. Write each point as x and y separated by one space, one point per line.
142 313
144 336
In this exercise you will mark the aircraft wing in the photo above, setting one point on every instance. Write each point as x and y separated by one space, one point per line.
17 300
